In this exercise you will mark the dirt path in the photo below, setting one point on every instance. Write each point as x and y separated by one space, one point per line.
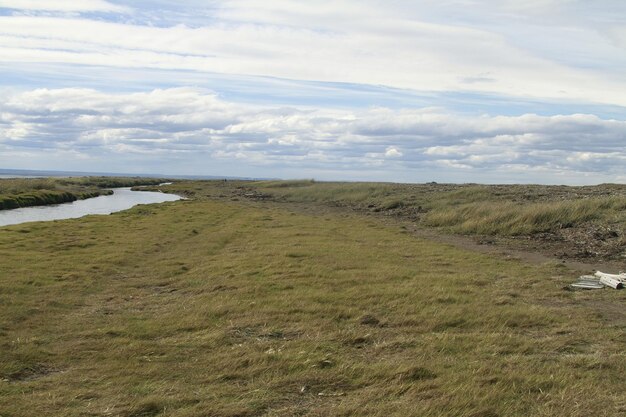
527 250
508 250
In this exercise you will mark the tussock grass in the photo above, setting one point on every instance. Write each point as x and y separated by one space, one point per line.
19 185
38 198
237 309
472 209
285 184
510 219
383 194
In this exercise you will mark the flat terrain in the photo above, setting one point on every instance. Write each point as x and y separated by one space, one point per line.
28 192
584 224
249 301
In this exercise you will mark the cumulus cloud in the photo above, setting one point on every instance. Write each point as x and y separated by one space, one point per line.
165 125
393 152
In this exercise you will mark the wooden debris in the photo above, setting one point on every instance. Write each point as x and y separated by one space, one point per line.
600 280
587 282
587 285
621 277
611 282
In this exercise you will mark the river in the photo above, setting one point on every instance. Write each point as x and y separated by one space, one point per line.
121 199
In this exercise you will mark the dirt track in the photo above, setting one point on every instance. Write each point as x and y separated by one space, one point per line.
584 249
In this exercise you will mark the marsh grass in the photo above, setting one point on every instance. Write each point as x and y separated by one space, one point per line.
236 309
26 192
472 209
510 219
344 194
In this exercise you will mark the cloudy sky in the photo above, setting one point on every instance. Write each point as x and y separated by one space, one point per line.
492 91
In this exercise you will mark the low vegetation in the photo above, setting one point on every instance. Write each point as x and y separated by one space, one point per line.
26 192
512 219
584 223
223 306
578 222
498 210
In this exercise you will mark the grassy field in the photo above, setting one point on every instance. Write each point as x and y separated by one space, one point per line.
239 308
467 208
26 192
579 222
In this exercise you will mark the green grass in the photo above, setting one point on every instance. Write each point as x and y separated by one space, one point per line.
43 197
335 193
511 219
586 221
207 308
26 192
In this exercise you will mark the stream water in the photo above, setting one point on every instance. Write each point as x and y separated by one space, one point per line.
121 199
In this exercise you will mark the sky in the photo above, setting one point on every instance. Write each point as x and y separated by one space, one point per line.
491 91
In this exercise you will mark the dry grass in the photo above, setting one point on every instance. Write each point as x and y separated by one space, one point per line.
511 219
200 308
483 209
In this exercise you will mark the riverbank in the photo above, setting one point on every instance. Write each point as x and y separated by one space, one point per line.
120 199
30 192
242 308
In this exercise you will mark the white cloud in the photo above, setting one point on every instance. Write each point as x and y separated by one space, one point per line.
206 131
400 44
392 152
64 6
618 35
